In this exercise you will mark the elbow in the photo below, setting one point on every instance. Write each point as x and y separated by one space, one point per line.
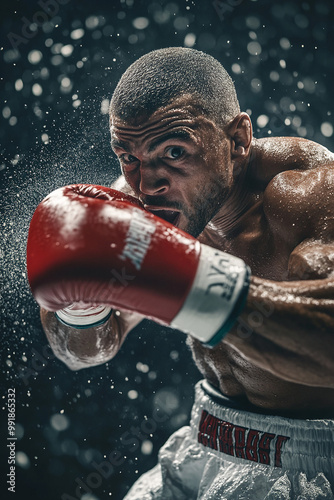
74 350
72 362
75 360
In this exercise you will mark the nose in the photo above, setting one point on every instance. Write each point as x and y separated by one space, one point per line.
153 180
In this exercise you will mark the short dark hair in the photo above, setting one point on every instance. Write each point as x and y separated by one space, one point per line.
162 75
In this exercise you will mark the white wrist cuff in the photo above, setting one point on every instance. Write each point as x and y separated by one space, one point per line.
217 296
84 318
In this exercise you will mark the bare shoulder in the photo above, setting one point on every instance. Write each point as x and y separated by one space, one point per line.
299 197
273 155
301 201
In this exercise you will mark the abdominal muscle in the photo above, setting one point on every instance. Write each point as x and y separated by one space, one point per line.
240 379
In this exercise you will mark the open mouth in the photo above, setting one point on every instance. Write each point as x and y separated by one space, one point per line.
169 215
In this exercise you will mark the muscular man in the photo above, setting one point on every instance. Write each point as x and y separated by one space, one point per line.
261 424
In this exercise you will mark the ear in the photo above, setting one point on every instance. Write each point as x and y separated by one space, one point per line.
240 132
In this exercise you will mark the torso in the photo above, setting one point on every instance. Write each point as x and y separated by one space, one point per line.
254 240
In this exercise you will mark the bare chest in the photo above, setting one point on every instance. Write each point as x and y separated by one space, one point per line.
253 240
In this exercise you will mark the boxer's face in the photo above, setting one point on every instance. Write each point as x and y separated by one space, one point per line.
177 162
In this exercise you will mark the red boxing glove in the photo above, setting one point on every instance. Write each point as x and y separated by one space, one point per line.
94 246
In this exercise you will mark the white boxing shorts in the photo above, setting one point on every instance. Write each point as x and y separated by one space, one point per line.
231 454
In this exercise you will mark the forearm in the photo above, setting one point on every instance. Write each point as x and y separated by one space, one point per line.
287 328
81 348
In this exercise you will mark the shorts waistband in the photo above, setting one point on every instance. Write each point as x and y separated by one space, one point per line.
243 436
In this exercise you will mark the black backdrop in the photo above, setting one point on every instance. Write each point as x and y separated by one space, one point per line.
60 61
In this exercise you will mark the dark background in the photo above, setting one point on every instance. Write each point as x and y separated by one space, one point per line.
58 69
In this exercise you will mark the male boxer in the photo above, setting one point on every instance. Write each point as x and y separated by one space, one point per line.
261 425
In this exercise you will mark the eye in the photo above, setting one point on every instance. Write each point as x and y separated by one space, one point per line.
127 158
174 152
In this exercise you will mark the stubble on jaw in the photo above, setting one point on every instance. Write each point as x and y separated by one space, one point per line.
210 196
208 200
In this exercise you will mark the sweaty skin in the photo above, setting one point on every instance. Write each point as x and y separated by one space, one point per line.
268 201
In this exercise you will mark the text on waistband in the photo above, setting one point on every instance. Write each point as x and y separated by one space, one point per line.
241 442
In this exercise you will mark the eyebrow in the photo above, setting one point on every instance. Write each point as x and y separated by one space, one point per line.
177 134
115 143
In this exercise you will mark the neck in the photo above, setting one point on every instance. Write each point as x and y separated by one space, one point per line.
238 202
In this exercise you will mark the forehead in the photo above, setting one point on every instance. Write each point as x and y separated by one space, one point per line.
183 113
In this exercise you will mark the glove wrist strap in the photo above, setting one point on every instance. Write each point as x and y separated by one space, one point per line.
217 297
88 317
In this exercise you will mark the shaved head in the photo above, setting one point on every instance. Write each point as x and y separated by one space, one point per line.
162 75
